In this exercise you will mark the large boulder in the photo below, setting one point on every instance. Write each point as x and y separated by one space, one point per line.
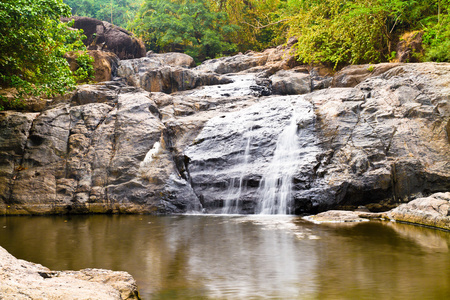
20 279
101 35
431 211
269 61
351 76
173 59
152 75
105 64
291 82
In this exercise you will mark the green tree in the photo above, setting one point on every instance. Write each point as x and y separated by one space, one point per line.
342 32
32 44
437 33
192 27
117 12
261 23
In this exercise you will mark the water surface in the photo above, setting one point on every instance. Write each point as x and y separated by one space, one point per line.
242 257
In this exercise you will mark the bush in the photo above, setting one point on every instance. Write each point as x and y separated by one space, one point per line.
32 44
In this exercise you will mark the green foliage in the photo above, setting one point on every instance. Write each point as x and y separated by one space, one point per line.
85 71
192 27
117 12
437 35
32 44
261 24
340 32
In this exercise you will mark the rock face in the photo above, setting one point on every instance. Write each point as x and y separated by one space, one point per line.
200 140
20 279
101 35
350 76
95 154
370 145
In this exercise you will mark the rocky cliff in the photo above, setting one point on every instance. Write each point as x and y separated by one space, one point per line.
170 138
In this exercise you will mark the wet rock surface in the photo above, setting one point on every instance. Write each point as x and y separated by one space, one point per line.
198 138
20 279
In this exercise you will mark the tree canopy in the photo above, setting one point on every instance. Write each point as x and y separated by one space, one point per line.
32 44
360 31
117 12
335 32
193 27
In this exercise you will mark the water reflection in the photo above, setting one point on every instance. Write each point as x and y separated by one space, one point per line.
242 257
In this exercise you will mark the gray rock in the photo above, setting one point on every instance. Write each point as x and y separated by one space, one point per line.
431 211
173 59
380 135
93 157
350 76
290 82
117 148
372 145
269 61
153 76
20 279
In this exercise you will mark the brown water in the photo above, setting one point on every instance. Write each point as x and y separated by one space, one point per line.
242 257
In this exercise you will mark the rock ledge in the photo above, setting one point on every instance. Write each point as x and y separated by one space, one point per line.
20 279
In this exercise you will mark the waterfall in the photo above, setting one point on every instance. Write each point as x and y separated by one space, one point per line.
233 195
259 159
276 186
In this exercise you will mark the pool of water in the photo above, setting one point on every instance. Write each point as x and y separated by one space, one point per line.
242 257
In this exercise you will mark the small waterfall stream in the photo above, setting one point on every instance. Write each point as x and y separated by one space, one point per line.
234 193
276 185
256 160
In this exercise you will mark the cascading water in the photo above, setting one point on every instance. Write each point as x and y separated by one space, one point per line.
276 185
259 159
234 193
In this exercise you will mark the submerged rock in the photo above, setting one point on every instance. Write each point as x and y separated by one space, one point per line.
20 279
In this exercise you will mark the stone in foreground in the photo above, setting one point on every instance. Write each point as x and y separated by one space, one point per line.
20 279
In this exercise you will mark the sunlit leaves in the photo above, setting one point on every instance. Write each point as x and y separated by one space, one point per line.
32 44
193 27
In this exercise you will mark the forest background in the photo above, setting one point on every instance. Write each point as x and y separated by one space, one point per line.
336 32
330 32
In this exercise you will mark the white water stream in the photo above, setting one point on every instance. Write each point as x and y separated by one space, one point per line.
234 194
276 186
